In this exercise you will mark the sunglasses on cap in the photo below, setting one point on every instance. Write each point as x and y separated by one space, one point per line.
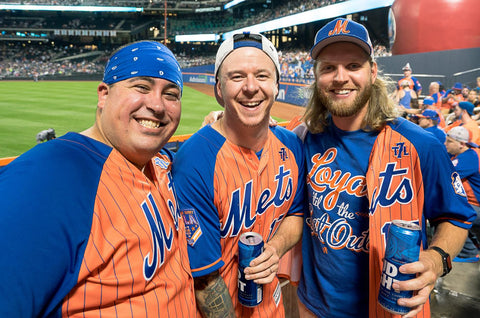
246 36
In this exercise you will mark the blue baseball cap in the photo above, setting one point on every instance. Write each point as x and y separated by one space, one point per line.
458 86
342 30
428 101
143 58
467 106
430 114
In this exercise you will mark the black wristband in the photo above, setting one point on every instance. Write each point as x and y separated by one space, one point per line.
446 261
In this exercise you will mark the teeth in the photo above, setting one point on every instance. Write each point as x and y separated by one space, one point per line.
251 104
149 123
342 92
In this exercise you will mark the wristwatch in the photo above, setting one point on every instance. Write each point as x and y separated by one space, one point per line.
447 262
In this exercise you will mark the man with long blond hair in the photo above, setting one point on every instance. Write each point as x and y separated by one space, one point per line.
366 167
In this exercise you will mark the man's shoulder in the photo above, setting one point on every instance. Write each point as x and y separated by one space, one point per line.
283 133
206 136
73 151
419 137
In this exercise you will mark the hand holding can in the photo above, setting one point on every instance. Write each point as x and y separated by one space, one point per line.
250 246
403 246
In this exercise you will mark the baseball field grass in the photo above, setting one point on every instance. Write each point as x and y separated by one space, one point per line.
27 108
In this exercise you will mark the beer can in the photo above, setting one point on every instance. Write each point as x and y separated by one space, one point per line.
250 247
403 246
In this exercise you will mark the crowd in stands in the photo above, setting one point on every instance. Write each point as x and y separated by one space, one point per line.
38 61
19 21
214 21
448 103
22 60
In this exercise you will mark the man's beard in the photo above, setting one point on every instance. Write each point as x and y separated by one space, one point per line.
345 108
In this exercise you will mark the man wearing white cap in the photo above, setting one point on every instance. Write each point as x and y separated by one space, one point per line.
413 83
365 168
89 222
237 176
465 158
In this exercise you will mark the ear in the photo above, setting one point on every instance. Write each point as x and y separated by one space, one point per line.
374 71
277 88
218 93
102 93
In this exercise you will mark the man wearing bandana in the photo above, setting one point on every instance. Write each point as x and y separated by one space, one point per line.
89 222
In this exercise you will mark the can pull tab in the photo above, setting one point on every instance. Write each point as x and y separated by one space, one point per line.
251 239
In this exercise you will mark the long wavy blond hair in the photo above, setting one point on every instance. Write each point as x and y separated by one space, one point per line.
381 108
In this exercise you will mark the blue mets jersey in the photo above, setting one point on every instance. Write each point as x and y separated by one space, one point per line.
467 165
353 179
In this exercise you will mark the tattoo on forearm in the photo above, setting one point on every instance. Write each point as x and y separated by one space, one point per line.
214 300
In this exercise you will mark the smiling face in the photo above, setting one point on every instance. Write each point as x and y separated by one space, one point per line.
344 76
247 86
137 116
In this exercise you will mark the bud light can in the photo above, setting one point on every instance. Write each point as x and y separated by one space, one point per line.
250 247
403 246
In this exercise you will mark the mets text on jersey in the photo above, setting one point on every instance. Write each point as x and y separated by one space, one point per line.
239 213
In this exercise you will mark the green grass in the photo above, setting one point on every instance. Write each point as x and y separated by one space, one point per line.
29 107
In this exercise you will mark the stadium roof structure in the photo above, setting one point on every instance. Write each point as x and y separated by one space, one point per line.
104 5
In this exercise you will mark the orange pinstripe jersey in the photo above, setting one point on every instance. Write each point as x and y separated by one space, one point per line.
114 241
135 263
225 190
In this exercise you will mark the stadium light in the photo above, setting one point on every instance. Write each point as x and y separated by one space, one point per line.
68 8
197 38
232 3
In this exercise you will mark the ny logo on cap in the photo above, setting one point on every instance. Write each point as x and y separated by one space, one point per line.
340 27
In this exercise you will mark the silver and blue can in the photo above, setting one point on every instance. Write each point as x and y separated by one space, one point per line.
403 246
250 247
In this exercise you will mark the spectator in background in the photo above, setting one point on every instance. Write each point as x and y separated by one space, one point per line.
406 97
473 97
452 97
100 233
429 103
465 91
463 112
429 120
434 92
413 83
465 159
